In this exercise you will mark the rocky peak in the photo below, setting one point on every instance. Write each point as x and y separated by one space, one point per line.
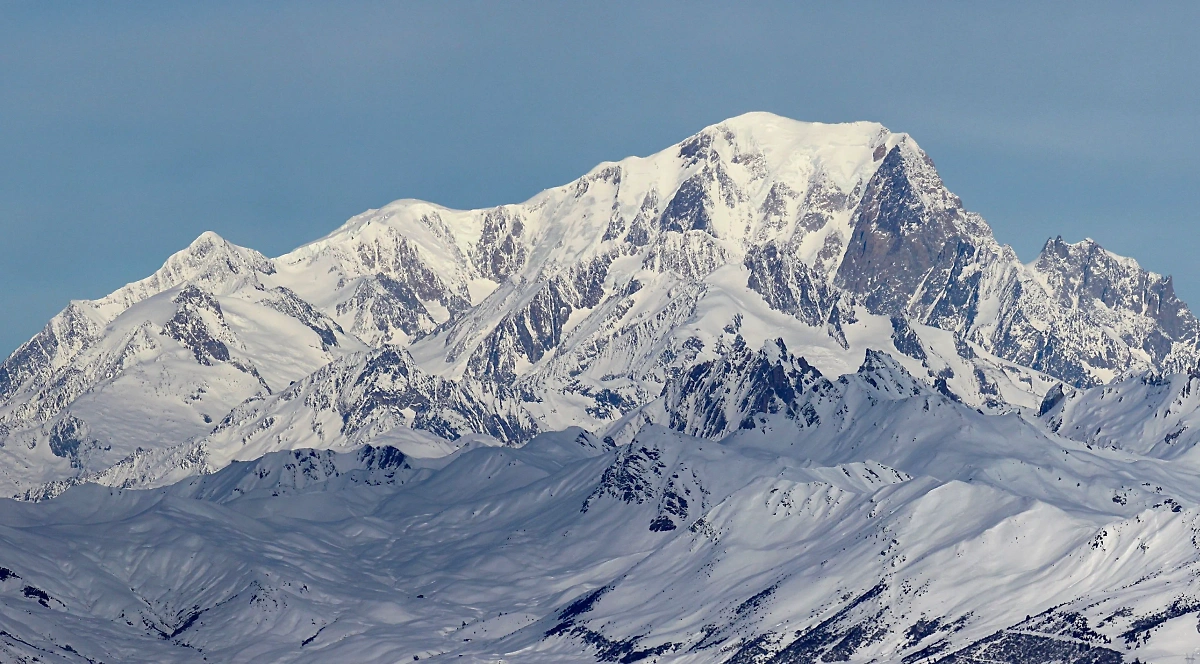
883 377
906 231
1084 272
716 397
389 239
67 335
1152 414
210 261
501 250
199 324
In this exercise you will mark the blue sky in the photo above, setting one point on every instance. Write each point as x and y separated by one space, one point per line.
126 129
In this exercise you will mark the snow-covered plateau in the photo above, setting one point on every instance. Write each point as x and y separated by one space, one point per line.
771 395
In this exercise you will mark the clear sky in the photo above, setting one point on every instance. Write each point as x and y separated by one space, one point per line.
127 129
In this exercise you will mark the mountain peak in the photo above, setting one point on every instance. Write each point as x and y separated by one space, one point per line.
767 123
1086 252
207 238
885 376
842 147
210 261
1086 246
209 247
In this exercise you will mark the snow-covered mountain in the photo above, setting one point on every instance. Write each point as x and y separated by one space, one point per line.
770 315
585 300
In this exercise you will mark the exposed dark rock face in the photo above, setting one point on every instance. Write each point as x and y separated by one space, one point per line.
906 340
715 398
645 474
624 651
688 209
633 477
1020 648
390 383
691 207
897 240
588 281
673 504
697 148
691 254
377 392
1140 631
301 470
197 314
1085 272
537 328
640 227
401 283
913 250
577 608
386 304
528 334
1053 397
609 174
1087 277
67 436
915 253
886 376
500 253
856 625
69 331
951 298
839 314
384 457
789 285
776 207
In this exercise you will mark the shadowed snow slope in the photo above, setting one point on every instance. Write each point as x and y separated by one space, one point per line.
912 528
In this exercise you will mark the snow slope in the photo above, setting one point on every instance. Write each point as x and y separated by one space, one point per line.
901 526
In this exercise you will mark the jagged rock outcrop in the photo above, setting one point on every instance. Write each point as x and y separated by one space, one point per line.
715 398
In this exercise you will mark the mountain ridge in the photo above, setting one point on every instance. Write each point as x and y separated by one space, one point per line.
588 297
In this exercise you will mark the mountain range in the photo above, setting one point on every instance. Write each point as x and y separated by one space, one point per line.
769 395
